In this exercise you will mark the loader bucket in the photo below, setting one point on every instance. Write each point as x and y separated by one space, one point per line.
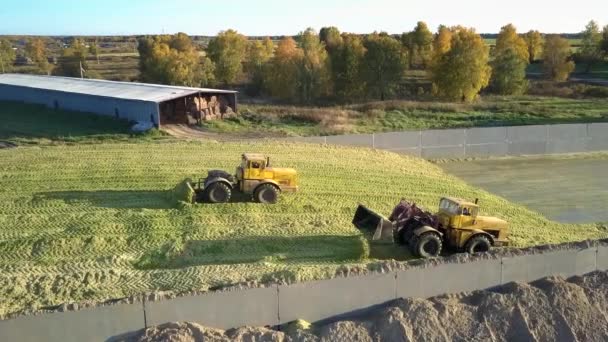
368 220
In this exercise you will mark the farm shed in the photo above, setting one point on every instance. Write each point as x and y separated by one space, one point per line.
141 102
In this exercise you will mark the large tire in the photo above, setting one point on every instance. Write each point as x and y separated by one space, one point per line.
267 194
478 244
427 245
218 193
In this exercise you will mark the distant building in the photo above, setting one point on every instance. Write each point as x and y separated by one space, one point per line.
138 102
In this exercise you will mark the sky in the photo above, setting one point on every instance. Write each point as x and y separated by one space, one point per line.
274 17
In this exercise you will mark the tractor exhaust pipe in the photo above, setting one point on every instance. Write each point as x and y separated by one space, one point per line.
476 200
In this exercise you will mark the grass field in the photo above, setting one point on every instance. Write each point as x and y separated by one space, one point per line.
94 221
87 214
405 115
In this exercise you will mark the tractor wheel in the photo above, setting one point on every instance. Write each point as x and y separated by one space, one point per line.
218 193
427 245
478 244
267 194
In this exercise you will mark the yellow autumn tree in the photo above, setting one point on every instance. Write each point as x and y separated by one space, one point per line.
35 49
534 40
509 64
259 53
281 76
556 55
463 70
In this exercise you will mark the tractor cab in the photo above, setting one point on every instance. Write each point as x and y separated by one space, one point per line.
253 167
457 213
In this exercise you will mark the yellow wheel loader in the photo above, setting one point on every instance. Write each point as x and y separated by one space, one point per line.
254 176
457 225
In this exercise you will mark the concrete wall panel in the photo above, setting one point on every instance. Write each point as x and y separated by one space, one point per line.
443 137
365 140
586 261
523 268
94 324
442 152
566 132
598 144
397 140
254 307
486 135
598 130
527 147
527 133
448 278
566 146
413 151
602 257
487 150
313 301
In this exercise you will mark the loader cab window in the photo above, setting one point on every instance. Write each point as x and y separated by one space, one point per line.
255 165
450 207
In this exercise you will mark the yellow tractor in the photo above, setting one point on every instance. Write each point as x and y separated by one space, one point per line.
457 225
253 177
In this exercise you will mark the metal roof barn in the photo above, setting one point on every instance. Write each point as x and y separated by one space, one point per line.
140 102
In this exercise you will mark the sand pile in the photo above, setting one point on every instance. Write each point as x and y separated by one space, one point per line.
551 309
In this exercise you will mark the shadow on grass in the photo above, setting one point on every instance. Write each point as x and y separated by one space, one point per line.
111 199
273 249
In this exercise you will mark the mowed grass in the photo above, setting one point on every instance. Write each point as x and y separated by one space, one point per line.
95 221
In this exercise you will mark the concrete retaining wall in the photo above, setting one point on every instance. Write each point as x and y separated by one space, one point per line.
481 141
312 301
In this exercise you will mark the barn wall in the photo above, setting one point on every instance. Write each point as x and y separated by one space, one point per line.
142 111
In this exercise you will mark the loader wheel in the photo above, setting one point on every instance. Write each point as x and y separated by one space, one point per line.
267 194
427 246
478 244
218 193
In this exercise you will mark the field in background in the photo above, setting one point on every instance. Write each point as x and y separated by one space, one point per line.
405 115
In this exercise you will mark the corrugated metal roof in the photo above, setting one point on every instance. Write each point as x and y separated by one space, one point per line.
123 90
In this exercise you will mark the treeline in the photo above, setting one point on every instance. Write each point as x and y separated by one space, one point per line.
331 65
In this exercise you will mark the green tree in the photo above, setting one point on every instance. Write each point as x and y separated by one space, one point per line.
281 77
331 37
534 40
259 54
556 55
94 50
314 68
462 71
407 40
509 74
604 42
73 61
510 61
35 49
228 51
384 64
7 56
591 51
347 70
173 60
422 39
